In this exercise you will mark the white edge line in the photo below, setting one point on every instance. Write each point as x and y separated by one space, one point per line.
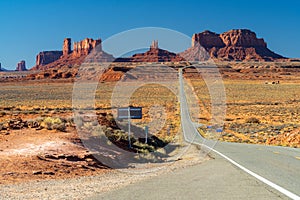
262 179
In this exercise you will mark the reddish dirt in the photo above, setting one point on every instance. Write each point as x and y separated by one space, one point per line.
28 154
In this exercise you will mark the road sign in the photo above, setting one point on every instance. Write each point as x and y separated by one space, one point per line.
130 113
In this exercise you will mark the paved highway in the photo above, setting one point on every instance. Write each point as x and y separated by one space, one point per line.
212 179
278 167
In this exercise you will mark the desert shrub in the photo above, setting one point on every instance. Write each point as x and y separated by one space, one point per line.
69 121
33 123
32 112
252 120
60 127
54 123
9 108
143 148
2 113
120 138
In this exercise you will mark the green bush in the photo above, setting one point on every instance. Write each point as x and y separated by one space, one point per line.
54 123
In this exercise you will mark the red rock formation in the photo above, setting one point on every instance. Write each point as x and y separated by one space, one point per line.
154 44
85 46
234 45
155 54
207 39
46 57
67 57
242 38
21 66
67 46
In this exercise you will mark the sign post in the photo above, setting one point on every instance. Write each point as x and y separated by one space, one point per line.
129 142
130 113
146 132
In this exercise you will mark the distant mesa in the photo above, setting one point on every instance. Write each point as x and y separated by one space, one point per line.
154 54
234 45
82 53
50 59
2 69
21 66
46 57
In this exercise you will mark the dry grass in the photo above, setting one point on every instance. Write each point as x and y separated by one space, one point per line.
31 100
256 112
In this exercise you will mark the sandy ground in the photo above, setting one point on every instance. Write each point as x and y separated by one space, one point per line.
29 159
28 154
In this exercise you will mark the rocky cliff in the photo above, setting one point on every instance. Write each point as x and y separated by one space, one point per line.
21 66
46 57
69 57
67 49
234 45
241 44
85 46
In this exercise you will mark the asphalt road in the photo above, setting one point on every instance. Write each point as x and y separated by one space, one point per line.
212 179
279 167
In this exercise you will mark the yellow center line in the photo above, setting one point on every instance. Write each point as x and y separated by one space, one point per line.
297 157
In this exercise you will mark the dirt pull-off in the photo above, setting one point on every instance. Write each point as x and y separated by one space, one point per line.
28 154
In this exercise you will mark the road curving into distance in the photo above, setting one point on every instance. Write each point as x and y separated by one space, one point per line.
278 167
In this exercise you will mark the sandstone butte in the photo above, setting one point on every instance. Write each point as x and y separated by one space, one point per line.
21 66
69 57
154 54
234 45
238 45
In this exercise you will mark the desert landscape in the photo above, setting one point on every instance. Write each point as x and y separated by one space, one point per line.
39 138
42 137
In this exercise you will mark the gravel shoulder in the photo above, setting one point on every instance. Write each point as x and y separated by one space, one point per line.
88 186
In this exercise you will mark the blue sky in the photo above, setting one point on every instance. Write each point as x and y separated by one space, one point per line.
28 27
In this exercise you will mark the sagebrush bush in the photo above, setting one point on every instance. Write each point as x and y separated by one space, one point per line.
54 123
253 120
